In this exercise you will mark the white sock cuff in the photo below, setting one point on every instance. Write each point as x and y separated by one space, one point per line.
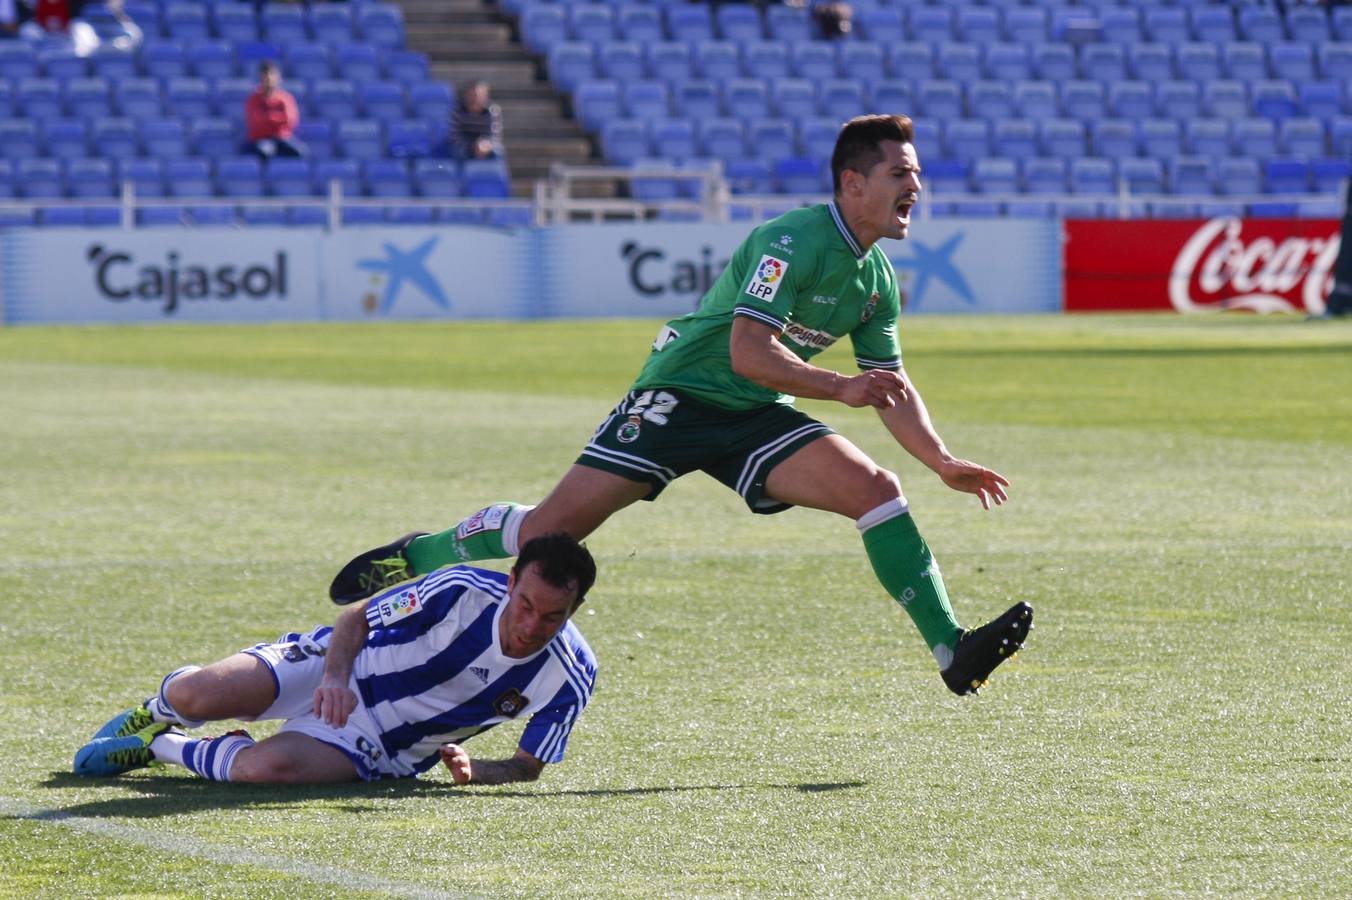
880 514
161 710
511 529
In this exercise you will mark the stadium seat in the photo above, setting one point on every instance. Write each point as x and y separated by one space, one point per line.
620 61
187 98
331 23
1212 24
228 96
381 24
596 102
1307 24
1044 175
1190 175
1062 138
146 176
408 67
1083 100
1161 139
62 217
1292 62
486 178
1302 138
911 60
744 97
383 100
690 24
164 59
995 175
345 172
1178 100
1166 26
1225 99
288 177
64 138
673 139
641 24
1054 62
1036 100
739 22
933 25
1151 63
815 61
1261 25
112 64
1093 176
1015 138
1286 176
38 98
1008 63
436 178
697 100
113 138
594 22
798 176
1131 100
1238 176
87 98
881 25
308 62
234 22
431 100
669 62
38 178
842 98
1208 138
716 60
543 25
164 138
62 64
360 139
1113 138
210 60
892 95
624 140
1198 63
1274 100
977 25
1243 61
863 63
570 63
410 139
1141 176
722 139
788 24
240 176
750 176
357 62
1121 25
991 100
1025 25
333 99
187 22
188 177
1254 137
967 140
817 138
386 178
18 59
941 100
764 61
1105 63
1328 175
1320 100
648 100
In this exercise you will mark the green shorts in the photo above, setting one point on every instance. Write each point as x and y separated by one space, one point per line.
658 435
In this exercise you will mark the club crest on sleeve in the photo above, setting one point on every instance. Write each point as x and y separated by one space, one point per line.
510 703
768 277
399 605
870 307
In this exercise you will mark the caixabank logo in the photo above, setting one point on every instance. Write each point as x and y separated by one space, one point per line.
120 276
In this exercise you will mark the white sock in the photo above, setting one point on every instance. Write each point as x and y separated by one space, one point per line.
161 710
209 757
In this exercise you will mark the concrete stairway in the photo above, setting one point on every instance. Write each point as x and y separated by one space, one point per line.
467 40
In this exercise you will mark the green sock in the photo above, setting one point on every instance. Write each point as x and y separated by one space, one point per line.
491 533
903 563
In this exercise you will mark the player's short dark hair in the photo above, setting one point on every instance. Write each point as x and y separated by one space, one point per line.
561 561
857 144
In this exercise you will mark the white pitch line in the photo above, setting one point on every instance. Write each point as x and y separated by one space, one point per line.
185 846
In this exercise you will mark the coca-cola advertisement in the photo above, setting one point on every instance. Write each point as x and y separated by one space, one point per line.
1203 265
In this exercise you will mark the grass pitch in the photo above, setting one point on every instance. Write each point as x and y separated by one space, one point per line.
766 722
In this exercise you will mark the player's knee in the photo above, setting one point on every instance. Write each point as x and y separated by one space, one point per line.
255 766
190 696
882 487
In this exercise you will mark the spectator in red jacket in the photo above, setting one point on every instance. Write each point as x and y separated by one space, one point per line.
270 116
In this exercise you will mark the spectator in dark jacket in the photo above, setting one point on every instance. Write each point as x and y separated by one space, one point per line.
476 125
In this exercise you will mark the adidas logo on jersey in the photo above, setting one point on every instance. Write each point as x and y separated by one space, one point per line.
480 672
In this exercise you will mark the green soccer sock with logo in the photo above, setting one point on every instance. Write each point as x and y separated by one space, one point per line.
907 570
491 533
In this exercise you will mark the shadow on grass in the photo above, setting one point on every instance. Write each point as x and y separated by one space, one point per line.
170 795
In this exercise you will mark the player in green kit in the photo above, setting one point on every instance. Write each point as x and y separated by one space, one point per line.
716 395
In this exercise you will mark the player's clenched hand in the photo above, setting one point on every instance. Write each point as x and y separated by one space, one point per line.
962 475
876 388
457 760
334 703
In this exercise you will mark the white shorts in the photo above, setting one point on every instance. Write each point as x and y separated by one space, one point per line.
297 665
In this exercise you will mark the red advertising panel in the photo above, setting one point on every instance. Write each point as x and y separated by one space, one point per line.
1264 265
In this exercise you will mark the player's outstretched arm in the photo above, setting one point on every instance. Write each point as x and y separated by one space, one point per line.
521 767
910 424
758 354
334 700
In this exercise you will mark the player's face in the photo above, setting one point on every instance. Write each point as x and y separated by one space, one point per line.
890 189
536 611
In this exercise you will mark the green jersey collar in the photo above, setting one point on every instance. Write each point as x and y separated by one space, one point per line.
845 231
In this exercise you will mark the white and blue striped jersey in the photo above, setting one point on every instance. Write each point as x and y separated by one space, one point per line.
432 670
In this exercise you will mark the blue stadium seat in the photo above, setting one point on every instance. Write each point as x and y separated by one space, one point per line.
146 14
1113 138
436 178
1106 63
722 139
1166 25
288 177
18 60
6 99
1293 62
1286 176
1152 63
798 176
620 61
1225 99
187 98
486 178
213 137
409 67
1054 62
1191 175
817 138
672 139
334 99
910 60
966 140
363 215
421 215
210 59
865 63
164 59
1026 25
38 178
1083 100
1302 138
164 138
309 62
931 24
215 216
102 216
717 60
1093 176
62 64
234 22
240 176
381 24
317 136
1160 139
189 177
62 217
653 188
543 25
788 24
360 139
331 23
892 96
594 22
38 98
739 22
1179 100
114 138
771 140
642 24
1121 25
995 175
357 62
958 62
1141 176
187 22
745 98
697 100
383 100
669 62
1131 99
146 176
764 60
65 138
1320 99
112 64
344 171
262 215
1037 99
597 102
979 25
1244 61
624 140
460 215
228 96
1062 138
1327 175
1212 24
1044 175
947 177
1307 24
941 100
841 98
1198 63
881 25
1206 137
431 100
648 100
1254 137
991 100
1008 62
750 176
570 63
814 61
386 178
1261 25
1274 100
1238 176
87 98
91 179
690 24
1015 138
163 217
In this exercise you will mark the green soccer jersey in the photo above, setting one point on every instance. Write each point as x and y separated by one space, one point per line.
803 273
